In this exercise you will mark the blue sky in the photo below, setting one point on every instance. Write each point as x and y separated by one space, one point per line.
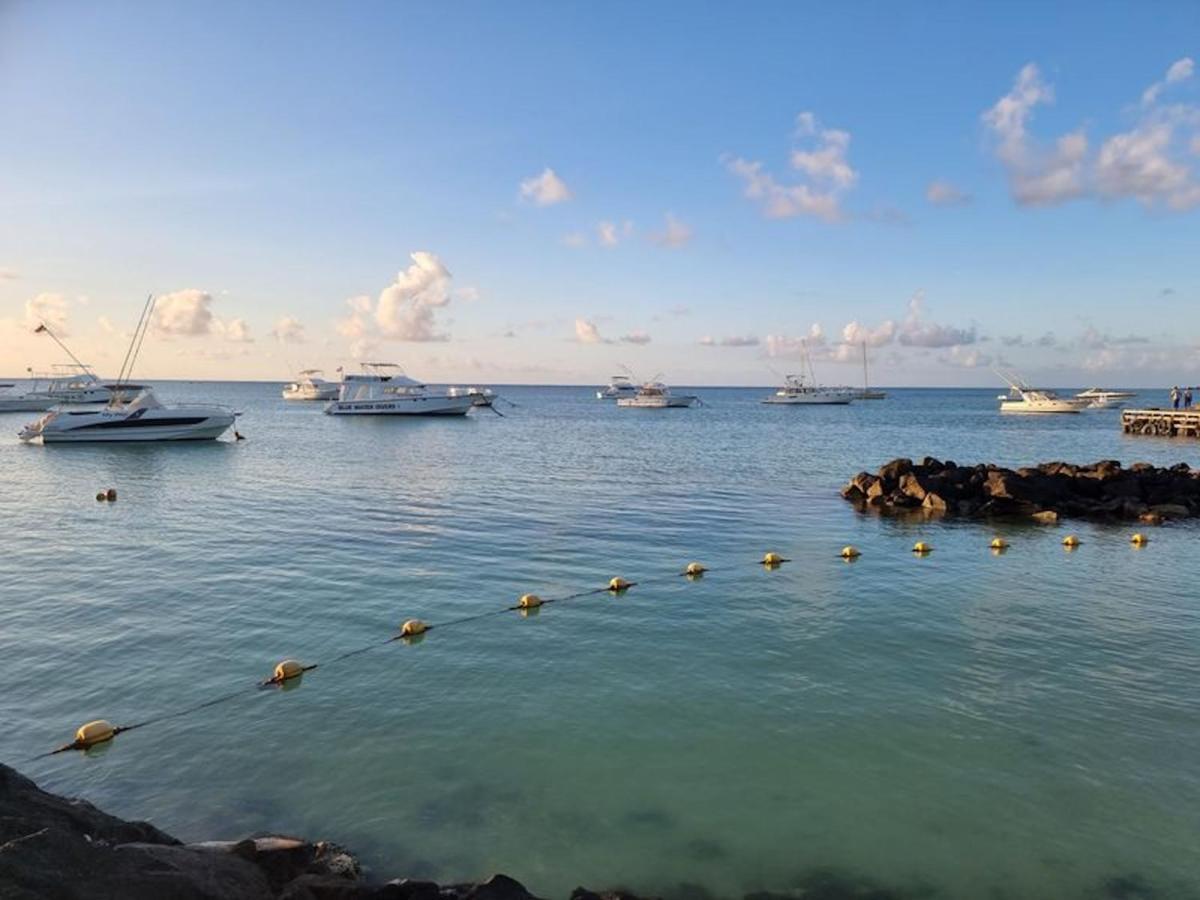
309 184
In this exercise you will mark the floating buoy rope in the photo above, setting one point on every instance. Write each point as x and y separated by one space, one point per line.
101 731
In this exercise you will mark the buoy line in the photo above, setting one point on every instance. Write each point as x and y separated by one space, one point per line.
101 731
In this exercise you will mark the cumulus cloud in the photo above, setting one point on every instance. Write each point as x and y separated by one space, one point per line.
52 309
545 189
965 358
780 346
186 313
822 167
288 330
857 334
235 330
916 332
586 332
609 234
675 234
405 309
943 193
735 340
1143 163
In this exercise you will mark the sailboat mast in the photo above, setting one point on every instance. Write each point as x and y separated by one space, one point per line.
866 380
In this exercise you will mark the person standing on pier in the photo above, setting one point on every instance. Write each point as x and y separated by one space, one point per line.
1175 397
1187 397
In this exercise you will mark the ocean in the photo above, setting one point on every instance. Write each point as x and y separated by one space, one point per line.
961 724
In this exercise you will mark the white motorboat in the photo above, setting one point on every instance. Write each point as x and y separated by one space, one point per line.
618 386
796 392
382 389
656 395
1021 398
132 412
130 417
1100 398
309 385
67 384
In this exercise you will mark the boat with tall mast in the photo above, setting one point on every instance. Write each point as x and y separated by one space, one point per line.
132 413
867 393
799 390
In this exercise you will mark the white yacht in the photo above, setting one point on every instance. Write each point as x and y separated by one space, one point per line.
795 392
135 415
132 412
618 386
67 384
1021 398
1100 398
382 389
309 385
656 395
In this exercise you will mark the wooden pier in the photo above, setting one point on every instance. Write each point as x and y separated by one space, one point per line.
1162 422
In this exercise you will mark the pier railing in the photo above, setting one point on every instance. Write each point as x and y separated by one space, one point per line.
1161 422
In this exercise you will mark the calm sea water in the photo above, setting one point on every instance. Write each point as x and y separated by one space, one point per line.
983 726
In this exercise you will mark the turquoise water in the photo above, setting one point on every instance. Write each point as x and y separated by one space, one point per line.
1023 725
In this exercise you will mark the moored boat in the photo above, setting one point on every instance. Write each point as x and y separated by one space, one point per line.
797 392
656 395
1021 398
382 389
309 385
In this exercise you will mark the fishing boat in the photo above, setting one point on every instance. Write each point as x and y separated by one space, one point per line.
132 413
656 395
1021 398
45 392
382 389
797 392
1101 398
618 386
867 393
309 385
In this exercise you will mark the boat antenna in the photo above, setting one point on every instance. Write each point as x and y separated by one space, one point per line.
45 329
129 350
146 318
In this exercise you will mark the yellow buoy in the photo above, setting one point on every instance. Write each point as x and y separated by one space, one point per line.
110 494
772 559
922 548
93 733
1070 541
289 668
529 601
1139 539
999 543
619 584
694 568
851 552
412 628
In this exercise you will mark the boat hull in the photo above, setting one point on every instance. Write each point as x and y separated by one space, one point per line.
806 401
1019 408
325 395
656 402
24 404
407 406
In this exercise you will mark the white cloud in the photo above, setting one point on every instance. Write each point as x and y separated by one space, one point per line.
857 334
53 309
609 234
545 189
735 340
405 309
779 346
635 337
823 168
915 332
236 331
288 330
674 235
469 294
184 313
1180 70
965 358
586 332
1143 163
943 193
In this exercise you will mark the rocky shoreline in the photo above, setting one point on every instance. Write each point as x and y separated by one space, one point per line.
1043 493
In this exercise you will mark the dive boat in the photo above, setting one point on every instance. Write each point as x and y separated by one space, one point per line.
1021 398
796 393
382 389
656 395
133 416
1099 398
618 386
309 385
67 384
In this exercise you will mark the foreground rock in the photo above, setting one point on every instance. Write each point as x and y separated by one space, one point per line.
1044 493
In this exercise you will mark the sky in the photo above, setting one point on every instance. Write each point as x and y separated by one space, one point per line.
556 192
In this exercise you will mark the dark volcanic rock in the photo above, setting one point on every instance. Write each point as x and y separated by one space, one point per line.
1044 493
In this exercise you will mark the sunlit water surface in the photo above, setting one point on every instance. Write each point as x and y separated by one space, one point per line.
978 726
